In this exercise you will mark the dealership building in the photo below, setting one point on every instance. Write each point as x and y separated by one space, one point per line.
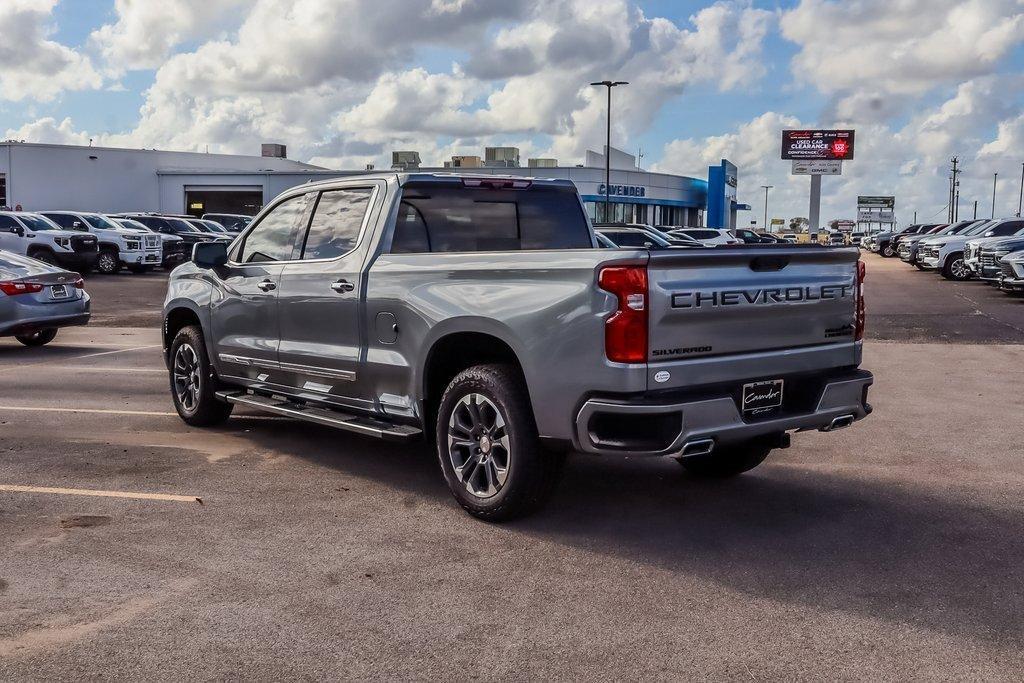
112 180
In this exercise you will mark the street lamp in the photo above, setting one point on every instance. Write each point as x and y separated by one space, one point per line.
608 144
766 188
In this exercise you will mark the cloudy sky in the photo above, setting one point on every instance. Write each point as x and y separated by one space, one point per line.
343 82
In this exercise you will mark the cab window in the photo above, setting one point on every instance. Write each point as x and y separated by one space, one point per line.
337 221
274 237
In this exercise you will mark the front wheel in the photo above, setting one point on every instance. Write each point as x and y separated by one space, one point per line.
193 381
888 251
108 263
39 338
955 268
726 462
488 447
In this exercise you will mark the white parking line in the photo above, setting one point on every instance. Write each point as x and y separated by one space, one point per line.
13 488
77 368
87 355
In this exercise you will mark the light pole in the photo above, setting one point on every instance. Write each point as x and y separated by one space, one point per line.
608 144
995 179
766 188
1020 200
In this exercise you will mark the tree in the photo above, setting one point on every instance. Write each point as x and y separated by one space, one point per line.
799 224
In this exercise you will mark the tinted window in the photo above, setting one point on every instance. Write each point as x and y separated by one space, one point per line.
701 234
336 223
1007 228
37 223
629 239
273 239
63 220
465 219
6 223
99 222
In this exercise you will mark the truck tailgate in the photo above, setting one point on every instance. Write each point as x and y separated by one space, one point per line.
731 301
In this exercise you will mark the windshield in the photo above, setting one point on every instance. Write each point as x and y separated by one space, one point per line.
129 224
179 225
209 226
99 222
37 222
978 228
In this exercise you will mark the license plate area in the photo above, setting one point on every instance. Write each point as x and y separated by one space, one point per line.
59 291
761 398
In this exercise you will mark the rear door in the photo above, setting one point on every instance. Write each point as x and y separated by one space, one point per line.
320 301
740 301
245 319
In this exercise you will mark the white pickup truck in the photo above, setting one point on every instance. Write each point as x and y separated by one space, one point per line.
118 246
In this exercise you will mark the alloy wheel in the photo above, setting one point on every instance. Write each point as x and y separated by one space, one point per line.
478 445
106 263
959 270
187 377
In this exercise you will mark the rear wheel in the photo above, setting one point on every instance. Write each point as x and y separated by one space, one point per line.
193 383
488 447
39 338
726 462
955 268
108 263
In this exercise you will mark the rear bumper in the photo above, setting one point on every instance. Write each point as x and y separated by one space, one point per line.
663 425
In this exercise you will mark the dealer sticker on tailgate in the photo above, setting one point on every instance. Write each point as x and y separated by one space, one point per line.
761 397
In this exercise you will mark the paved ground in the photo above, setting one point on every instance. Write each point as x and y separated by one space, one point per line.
893 549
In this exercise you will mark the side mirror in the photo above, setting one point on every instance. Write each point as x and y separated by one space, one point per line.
210 254
18 230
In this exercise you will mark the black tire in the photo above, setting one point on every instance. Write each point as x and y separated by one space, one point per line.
955 269
108 263
888 251
530 471
40 338
193 389
726 462
45 257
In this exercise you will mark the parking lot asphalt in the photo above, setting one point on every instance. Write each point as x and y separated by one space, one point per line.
890 549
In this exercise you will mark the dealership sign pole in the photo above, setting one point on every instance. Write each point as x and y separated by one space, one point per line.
817 153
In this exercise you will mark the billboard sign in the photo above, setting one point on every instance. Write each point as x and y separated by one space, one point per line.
875 202
818 167
817 144
868 216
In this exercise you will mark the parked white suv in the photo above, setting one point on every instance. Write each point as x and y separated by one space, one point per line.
710 236
35 236
118 246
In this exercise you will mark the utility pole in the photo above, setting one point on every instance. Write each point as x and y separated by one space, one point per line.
1020 201
953 184
766 188
975 209
915 218
995 179
956 210
608 147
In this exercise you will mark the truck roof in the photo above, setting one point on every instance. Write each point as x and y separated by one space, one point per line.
405 177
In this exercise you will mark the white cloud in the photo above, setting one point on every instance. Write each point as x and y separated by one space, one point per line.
49 130
33 67
903 47
146 30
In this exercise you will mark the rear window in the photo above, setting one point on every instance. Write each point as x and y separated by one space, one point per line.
440 217
701 234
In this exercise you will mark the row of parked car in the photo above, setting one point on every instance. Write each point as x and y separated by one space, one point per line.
642 236
44 254
106 243
991 250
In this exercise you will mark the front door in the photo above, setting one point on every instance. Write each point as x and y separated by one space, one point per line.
9 240
245 318
322 336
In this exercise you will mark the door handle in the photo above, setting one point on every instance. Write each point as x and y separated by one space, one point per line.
342 286
267 285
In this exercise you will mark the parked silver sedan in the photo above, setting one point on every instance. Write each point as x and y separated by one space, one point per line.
36 299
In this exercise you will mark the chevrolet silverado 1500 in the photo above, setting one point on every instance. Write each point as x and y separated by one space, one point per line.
480 314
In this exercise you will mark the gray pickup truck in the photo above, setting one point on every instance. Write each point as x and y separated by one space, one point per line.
480 314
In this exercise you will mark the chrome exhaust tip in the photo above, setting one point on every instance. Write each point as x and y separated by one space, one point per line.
839 423
697 447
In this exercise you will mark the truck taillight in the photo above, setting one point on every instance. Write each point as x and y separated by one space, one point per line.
12 288
858 332
625 331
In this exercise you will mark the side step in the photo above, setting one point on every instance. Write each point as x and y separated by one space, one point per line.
360 424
